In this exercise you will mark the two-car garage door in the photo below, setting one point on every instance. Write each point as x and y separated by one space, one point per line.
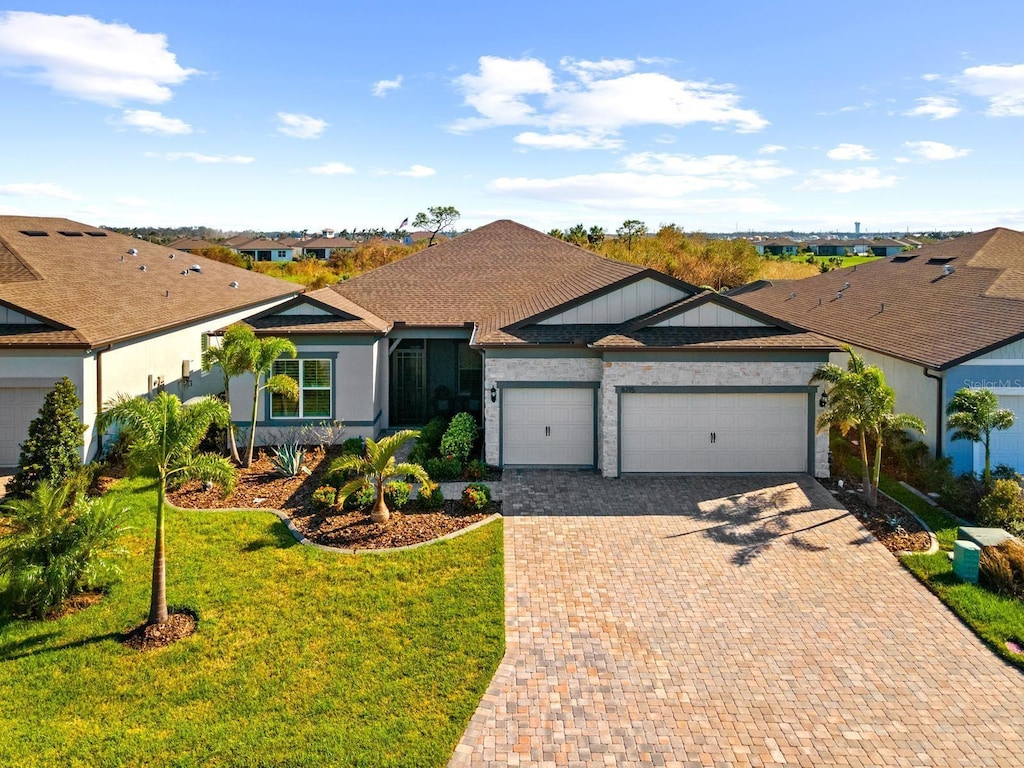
714 432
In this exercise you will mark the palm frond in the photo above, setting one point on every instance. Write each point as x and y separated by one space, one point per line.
285 385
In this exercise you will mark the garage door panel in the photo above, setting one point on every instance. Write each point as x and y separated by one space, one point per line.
544 426
18 407
753 432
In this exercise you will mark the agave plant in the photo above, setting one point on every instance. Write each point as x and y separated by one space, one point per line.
287 459
375 467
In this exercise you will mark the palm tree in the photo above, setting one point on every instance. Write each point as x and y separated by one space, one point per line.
376 466
228 355
860 399
164 436
974 414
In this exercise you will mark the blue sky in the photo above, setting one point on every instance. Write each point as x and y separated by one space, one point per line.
739 115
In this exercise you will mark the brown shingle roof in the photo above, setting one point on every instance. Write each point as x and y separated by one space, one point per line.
190 243
94 286
492 276
12 268
261 244
906 308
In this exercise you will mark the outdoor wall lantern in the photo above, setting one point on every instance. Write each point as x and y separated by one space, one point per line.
494 393
823 401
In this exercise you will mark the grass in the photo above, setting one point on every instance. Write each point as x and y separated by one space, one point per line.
994 618
853 261
302 657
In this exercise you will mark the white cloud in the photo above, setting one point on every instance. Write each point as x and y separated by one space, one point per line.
300 126
149 121
935 150
935 107
771 149
38 189
725 170
931 77
848 181
90 59
1001 84
381 87
566 141
417 172
201 158
850 152
597 99
332 169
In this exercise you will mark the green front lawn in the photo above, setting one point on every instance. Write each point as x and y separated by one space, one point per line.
302 657
853 261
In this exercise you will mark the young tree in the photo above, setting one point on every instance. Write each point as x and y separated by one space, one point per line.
436 218
376 466
595 235
165 435
230 356
52 450
974 414
860 399
556 233
576 234
631 231
257 357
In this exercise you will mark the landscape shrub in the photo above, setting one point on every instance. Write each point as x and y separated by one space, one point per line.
907 459
444 468
324 497
57 545
397 493
52 450
961 495
361 499
1003 507
428 444
1002 569
475 470
476 496
459 438
353 446
432 499
287 459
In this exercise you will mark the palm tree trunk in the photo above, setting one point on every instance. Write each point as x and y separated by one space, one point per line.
158 598
232 444
986 476
252 426
380 512
872 497
865 467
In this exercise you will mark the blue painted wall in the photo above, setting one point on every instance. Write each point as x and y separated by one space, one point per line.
980 376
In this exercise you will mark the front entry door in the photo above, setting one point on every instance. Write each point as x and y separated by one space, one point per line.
408 385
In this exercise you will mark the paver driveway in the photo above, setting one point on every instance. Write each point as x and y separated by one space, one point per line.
725 621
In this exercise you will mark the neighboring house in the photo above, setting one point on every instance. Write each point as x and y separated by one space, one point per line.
886 246
112 313
858 246
935 319
267 250
190 244
568 358
324 247
415 237
777 246
236 240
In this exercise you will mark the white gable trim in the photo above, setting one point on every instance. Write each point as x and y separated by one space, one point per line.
710 315
618 306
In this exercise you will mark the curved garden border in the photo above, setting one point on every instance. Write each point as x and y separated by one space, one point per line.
931 534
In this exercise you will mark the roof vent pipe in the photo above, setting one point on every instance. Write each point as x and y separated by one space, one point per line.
947 270
142 267
133 251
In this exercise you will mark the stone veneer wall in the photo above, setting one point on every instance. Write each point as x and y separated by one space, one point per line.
529 369
613 374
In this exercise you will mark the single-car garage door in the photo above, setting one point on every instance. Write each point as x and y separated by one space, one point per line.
18 406
714 432
544 426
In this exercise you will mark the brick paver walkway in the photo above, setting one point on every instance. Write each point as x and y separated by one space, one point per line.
726 621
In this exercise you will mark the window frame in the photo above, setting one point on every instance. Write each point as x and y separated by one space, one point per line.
469 391
300 414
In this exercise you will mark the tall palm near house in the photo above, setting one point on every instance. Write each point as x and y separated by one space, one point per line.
164 437
376 466
974 414
860 399
229 356
256 356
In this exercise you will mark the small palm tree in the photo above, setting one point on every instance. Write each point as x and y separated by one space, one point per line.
230 356
974 414
259 356
860 399
375 467
164 437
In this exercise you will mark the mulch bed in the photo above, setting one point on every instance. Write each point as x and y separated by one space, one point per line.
259 487
889 522
179 625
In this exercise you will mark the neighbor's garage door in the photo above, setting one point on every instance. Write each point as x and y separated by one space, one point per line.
714 432
18 406
1007 446
548 427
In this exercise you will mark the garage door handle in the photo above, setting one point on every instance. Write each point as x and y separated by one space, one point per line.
547 431
713 438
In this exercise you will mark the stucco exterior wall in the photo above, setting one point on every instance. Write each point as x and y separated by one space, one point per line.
1005 377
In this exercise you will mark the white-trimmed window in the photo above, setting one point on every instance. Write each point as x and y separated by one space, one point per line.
314 380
